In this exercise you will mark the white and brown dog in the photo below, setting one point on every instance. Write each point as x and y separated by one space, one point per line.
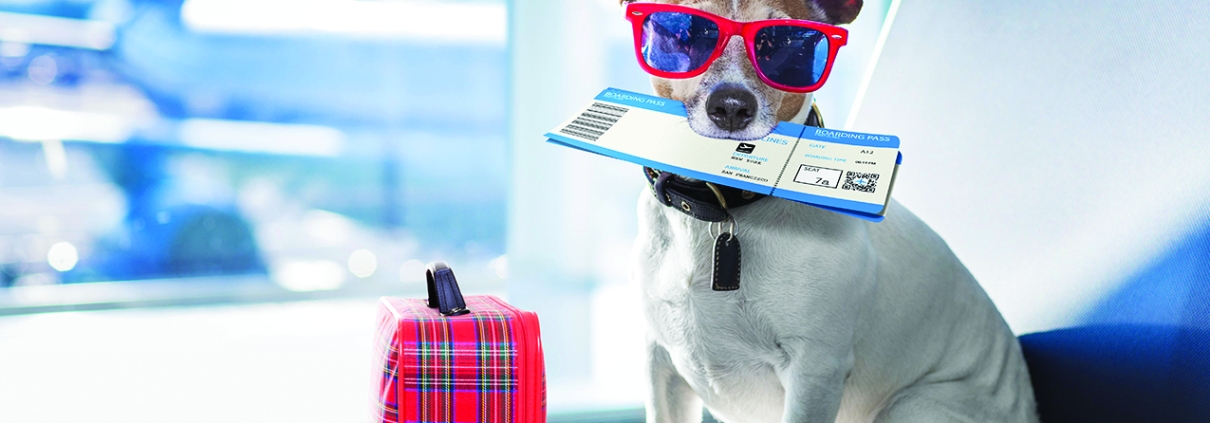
837 319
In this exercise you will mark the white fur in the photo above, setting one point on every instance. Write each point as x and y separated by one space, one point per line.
836 319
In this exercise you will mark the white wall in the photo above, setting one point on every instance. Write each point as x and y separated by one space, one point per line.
1056 145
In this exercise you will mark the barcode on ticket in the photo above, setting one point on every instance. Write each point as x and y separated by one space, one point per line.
593 123
860 181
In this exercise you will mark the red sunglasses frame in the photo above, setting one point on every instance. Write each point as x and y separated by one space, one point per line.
637 14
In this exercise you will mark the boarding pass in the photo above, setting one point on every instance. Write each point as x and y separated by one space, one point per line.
842 171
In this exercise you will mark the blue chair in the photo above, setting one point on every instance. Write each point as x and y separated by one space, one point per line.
1121 373
1142 354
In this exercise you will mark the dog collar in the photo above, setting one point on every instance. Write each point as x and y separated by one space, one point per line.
703 200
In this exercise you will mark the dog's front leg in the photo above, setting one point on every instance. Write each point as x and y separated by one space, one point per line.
671 400
814 383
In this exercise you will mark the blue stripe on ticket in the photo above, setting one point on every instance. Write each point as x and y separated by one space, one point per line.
851 138
643 101
789 129
837 203
870 217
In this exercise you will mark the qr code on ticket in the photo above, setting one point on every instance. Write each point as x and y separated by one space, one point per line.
860 182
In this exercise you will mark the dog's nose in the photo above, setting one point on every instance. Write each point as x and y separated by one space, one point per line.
731 108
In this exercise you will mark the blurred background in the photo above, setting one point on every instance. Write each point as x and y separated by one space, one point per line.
201 200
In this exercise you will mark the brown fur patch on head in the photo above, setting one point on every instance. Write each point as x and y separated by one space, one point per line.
791 104
837 12
795 9
663 87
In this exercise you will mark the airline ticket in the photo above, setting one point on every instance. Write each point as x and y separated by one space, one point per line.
842 171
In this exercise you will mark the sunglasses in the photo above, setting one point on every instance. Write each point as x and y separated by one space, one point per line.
678 42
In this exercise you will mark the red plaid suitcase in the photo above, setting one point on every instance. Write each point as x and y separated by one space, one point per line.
456 360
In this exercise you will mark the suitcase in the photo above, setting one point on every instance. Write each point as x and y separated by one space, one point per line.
456 360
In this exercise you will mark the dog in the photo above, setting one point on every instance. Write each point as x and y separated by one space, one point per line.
837 319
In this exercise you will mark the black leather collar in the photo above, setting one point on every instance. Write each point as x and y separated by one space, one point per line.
703 200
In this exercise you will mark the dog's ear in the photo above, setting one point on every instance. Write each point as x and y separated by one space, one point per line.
838 11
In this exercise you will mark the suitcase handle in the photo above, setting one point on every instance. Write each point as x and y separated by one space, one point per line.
444 294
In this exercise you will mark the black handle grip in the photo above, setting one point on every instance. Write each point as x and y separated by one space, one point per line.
444 294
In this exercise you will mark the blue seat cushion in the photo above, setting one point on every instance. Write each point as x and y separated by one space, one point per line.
1120 373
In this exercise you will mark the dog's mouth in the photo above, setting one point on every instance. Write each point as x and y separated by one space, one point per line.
743 135
730 112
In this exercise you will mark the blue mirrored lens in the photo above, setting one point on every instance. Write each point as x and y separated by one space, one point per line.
678 42
790 55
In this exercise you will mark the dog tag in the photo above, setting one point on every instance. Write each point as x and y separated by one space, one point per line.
726 263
